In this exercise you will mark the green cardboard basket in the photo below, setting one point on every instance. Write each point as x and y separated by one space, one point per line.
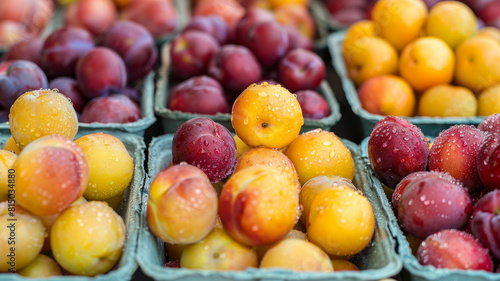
413 270
430 126
377 261
129 211
171 120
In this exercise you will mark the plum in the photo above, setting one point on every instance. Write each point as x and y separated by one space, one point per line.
116 108
69 87
431 204
455 151
265 156
252 16
110 165
207 145
259 205
454 249
198 95
52 187
96 16
297 255
340 221
487 160
397 148
25 49
490 124
159 17
218 251
21 76
211 24
42 113
29 233
182 205
7 159
41 267
235 67
319 152
93 232
62 49
298 40
485 222
101 72
268 41
313 105
135 45
314 186
301 69
191 52
400 187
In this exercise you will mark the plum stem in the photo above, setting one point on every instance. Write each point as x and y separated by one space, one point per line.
264 125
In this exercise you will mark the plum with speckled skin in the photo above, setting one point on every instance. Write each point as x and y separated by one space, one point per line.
396 195
487 162
455 151
485 223
397 148
207 145
453 249
490 124
431 204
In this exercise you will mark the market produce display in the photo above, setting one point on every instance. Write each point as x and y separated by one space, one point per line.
250 44
411 60
255 220
61 194
445 202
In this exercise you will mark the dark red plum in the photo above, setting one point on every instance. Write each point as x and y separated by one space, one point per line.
490 124
487 161
268 41
197 95
252 16
4 115
26 49
485 222
62 49
454 249
191 52
455 151
396 195
69 87
313 105
116 108
21 76
213 25
397 148
101 72
298 40
135 45
431 204
235 67
207 145
301 69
